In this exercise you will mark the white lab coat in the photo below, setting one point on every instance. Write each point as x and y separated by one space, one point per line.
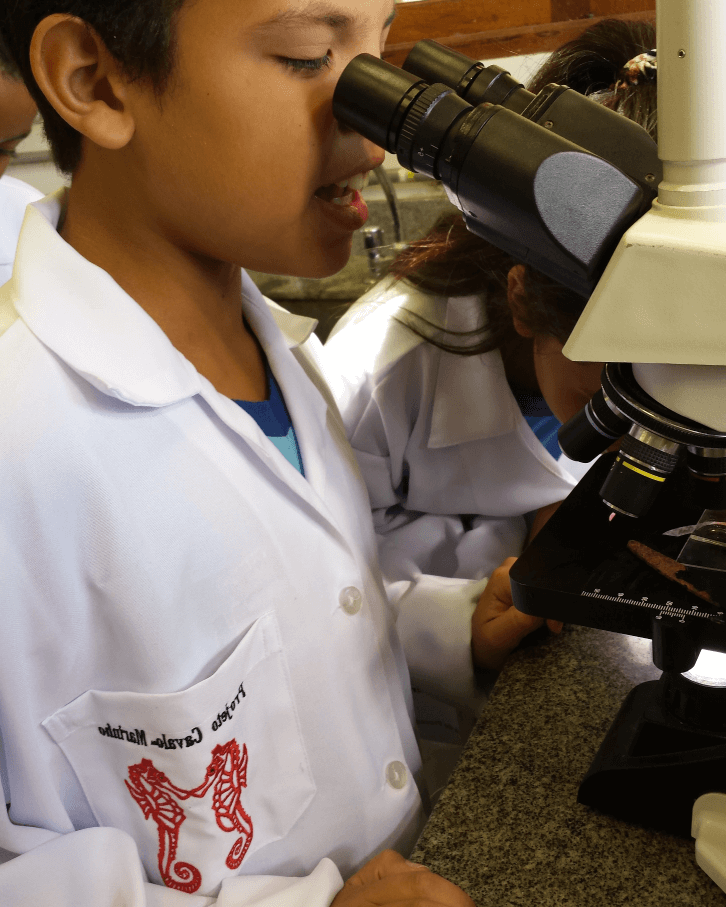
14 196
196 653
437 436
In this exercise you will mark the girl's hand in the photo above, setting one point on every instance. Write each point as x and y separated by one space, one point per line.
389 880
497 627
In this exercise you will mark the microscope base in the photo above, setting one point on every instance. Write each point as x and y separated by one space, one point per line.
651 767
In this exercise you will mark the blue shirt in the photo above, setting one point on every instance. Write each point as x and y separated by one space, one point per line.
540 419
274 420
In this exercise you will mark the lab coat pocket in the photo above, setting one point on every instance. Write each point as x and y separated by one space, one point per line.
201 778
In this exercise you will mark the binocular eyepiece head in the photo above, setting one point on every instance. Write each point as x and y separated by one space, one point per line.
527 189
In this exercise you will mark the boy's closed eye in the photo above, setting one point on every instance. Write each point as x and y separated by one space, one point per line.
307 65
311 30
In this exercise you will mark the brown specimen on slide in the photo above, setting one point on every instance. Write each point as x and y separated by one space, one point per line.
667 567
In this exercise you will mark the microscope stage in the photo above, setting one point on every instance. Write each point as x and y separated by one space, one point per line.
594 569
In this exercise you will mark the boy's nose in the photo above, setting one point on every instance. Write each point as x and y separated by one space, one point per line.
374 153
348 132
343 128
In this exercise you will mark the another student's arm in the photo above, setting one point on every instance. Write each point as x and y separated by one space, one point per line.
541 517
388 879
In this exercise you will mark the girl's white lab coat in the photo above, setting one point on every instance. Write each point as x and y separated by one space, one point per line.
15 195
450 464
196 653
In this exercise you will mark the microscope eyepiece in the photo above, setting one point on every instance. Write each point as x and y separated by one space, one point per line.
398 111
475 82
373 98
562 110
433 62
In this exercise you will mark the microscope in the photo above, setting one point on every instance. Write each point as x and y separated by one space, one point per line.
585 196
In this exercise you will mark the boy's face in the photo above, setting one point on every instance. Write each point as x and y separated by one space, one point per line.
239 160
17 112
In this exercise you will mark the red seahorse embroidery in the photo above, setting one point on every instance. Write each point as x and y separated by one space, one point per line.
231 777
158 799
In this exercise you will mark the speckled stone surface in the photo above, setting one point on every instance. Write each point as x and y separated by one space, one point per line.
508 828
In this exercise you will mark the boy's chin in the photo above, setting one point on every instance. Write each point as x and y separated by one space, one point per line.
313 264
322 266
322 273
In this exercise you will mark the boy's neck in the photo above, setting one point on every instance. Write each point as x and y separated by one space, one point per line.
196 301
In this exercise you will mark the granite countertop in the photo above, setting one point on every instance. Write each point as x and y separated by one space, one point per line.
508 828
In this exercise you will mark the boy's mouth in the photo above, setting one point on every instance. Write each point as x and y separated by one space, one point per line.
343 193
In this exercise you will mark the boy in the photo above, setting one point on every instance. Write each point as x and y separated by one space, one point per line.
200 684
17 112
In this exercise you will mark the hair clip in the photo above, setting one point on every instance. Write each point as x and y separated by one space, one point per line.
642 68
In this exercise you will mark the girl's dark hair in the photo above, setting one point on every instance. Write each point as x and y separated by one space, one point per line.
140 34
451 261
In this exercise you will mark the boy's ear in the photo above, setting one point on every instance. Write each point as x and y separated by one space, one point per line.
82 80
517 299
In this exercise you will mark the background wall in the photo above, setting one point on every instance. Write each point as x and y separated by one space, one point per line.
33 164
483 29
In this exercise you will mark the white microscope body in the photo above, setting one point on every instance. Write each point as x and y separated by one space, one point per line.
661 302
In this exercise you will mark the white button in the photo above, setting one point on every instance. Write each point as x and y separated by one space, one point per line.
396 775
350 600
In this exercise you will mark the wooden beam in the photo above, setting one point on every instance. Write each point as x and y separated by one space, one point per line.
504 42
429 18
566 10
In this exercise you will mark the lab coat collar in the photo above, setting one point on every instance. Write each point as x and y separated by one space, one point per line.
78 311
278 332
296 329
14 196
472 399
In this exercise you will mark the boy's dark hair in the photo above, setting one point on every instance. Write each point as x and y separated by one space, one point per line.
7 69
140 34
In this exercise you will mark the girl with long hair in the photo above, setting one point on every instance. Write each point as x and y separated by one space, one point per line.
452 384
